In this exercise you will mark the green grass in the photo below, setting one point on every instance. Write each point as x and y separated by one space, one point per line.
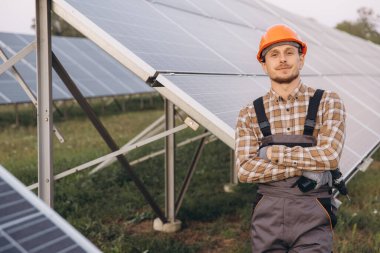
108 209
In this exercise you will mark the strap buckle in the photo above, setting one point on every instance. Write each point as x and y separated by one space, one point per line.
310 123
264 124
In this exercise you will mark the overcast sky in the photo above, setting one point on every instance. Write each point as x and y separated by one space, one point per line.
16 15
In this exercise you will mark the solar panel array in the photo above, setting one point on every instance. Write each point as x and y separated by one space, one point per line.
209 48
96 73
28 225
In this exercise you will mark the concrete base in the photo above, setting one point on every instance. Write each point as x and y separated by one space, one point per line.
167 227
229 187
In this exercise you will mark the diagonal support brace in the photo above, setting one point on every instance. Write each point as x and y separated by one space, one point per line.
62 73
190 173
19 56
27 90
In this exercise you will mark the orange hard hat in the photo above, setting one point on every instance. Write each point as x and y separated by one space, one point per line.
276 34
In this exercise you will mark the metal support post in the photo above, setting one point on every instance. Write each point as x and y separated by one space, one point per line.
234 178
62 73
230 187
44 112
172 225
190 173
169 162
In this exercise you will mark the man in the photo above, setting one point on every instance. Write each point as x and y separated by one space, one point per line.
293 132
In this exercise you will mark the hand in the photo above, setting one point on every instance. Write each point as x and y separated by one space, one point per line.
321 178
269 152
263 153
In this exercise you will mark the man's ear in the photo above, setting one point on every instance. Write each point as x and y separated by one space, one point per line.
264 66
302 61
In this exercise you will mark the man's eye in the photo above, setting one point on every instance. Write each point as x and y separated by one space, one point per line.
290 53
273 54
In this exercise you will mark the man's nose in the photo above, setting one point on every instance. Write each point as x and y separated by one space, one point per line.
282 58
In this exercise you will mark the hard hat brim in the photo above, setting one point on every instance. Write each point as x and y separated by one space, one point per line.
302 44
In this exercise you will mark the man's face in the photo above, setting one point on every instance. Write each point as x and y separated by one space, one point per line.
283 64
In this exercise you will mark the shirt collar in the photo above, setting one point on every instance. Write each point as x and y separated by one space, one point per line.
294 95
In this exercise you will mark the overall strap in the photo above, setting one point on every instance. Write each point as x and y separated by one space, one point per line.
312 112
262 117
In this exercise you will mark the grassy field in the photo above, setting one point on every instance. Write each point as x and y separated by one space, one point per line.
108 209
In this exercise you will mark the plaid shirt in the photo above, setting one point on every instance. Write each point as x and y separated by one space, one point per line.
288 117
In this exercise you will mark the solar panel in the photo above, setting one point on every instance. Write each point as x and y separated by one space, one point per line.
153 37
28 225
214 94
95 72
217 37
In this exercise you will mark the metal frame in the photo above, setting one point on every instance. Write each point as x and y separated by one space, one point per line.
44 111
122 151
126 148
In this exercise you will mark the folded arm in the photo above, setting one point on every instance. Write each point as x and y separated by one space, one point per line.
251 168
326 154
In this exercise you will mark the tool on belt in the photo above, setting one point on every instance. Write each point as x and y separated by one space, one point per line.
306 140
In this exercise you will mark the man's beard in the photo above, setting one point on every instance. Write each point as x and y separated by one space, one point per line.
289 79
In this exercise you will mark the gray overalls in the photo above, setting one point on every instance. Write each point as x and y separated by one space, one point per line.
286 219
